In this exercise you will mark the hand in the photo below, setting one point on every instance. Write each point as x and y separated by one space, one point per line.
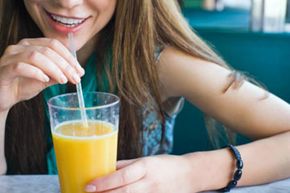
32 65
157 174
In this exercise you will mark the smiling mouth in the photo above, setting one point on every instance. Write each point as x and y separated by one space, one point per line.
69 22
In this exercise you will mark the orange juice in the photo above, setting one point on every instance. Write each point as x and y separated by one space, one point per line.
84 153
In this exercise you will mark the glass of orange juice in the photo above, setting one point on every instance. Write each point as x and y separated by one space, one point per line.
85 150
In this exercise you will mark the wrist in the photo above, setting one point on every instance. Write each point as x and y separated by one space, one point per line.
215 168
238 172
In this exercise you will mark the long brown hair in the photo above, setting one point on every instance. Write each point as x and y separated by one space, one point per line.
136 30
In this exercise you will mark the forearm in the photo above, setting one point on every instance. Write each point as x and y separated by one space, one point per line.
265 160
3 165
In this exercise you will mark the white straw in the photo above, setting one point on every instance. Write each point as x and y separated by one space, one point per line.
79 85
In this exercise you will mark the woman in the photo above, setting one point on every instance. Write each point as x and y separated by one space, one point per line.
146 52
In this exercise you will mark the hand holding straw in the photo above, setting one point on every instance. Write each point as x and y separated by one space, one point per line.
79 85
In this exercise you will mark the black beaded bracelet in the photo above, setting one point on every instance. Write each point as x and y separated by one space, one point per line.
238 172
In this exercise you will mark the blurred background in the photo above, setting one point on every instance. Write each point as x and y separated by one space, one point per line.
253 36
255 15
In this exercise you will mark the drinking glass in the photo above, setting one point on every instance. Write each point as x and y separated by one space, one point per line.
85 149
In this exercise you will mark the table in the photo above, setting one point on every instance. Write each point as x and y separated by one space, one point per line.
49 184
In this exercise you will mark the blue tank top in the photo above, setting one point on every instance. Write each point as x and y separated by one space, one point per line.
152 125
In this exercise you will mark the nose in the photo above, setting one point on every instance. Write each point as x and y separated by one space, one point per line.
68 3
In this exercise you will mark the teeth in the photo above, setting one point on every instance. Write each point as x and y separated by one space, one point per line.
67 21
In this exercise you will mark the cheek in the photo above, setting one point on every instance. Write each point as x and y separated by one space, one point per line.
102 5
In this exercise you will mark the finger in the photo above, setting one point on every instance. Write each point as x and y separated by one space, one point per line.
40 61
56 46
50 83
8 73
122 177
123 163
66 68
12 49
9 53
138 187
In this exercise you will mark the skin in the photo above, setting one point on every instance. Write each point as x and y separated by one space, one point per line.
241 109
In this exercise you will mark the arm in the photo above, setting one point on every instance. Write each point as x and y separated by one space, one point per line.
245 110
265 160
3 166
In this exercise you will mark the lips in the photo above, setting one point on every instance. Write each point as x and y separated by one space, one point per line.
64 23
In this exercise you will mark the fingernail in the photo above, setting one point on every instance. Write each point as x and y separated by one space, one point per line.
63 79
90 188
81 71
76 78
45 78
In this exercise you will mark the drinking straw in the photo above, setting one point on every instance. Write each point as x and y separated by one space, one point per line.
79 85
